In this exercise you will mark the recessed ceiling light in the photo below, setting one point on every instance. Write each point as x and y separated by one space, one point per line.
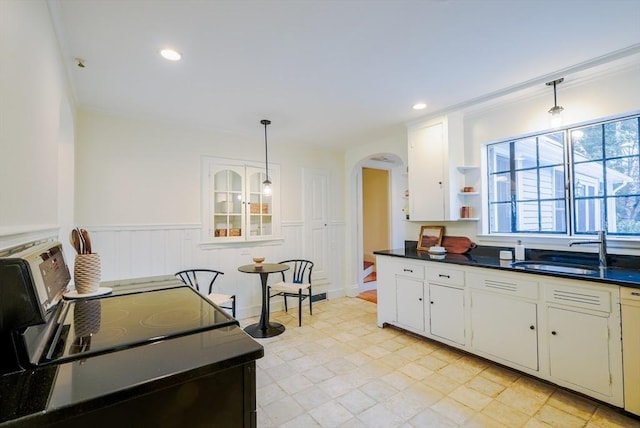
419 106
170 54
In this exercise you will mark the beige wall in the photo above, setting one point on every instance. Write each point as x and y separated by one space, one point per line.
36 123
375 211
132 172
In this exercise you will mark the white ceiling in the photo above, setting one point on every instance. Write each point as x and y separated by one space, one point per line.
327 73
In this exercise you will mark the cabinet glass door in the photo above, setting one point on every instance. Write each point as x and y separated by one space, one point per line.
260 207
227 204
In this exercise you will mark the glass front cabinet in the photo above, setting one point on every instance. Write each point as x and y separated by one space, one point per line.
235 206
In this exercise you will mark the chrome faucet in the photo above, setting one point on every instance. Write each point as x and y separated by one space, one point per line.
602 247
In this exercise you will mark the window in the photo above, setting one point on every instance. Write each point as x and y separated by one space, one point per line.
527 181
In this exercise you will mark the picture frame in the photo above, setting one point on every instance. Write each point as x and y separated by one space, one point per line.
430 236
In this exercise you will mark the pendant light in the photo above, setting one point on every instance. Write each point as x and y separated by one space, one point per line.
556 111
266 184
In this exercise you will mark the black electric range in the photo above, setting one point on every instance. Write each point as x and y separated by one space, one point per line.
116 359
55 330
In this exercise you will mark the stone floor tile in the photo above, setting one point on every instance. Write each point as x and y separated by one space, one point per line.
356 401
311 397
572 404
320 375
505 414
331 414
454 410
283 410
379 416
470 397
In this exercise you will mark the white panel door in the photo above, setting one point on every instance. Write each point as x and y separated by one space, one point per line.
316 220
410 303
579 349
447 312
505 327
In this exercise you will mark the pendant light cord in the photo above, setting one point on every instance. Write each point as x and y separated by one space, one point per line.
266 150
266 122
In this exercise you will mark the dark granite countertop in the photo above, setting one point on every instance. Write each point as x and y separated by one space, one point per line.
623 270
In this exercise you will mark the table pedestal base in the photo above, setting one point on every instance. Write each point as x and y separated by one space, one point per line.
273 329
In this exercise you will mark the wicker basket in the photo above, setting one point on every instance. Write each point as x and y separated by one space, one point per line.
86 273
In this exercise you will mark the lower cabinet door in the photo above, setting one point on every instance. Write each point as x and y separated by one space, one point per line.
579 349
447 312
409 300
505 327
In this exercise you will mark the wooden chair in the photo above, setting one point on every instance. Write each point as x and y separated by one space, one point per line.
296 282
195 277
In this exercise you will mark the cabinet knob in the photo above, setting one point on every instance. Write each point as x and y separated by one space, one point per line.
532 327
431 302
554 333
420 299
408 270
441 275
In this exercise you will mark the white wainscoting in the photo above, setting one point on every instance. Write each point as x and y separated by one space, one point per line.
154 250
138 251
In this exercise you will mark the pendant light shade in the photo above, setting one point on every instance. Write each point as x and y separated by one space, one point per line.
266 184
555 112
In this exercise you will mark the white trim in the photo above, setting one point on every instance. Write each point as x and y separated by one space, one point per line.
139 227
615 245
593 63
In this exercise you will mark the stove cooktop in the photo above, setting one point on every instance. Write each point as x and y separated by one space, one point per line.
107 324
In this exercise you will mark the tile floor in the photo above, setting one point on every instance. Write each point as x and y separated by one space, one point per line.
340 370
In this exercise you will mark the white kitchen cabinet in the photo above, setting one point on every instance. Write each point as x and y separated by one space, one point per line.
446 308
583 336
579 348
504 318
401 293
234 206
561 330
435 148
410 301
505 328
446 302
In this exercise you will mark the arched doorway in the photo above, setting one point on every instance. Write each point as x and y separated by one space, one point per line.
380 184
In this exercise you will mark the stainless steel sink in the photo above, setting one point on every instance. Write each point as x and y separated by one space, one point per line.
556 267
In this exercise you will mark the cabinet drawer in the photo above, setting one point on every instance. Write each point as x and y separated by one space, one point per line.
410 270
580 297
445 275
504 284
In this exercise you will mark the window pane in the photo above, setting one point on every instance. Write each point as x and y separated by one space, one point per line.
551 182
551 149
552 216
621 138
498 157
527 185
500 218
525 153
588 215
625 217
588 176
587 143
561 216
527 217
622 176
500 188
